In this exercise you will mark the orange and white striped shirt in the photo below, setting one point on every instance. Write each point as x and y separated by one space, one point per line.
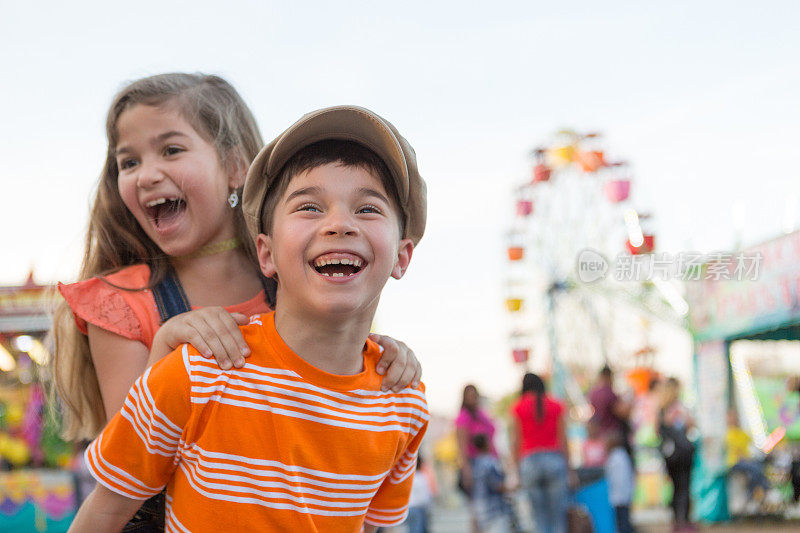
277 445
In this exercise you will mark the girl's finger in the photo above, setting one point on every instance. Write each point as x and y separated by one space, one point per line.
195 339
240 319
405 379
390 352
393 374
212 338
233 339
415 380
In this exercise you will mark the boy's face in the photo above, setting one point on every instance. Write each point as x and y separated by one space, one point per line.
335 241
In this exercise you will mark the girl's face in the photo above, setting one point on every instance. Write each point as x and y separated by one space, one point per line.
471 397
171 179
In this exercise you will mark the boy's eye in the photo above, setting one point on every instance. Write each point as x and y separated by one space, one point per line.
369 209
309 207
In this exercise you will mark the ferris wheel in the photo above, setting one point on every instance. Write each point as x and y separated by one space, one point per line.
576 210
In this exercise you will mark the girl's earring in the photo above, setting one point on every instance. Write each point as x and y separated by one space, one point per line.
233 199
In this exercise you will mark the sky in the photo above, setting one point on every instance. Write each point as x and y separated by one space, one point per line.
701 98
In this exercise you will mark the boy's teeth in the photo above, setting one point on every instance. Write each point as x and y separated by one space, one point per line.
156 202
323 262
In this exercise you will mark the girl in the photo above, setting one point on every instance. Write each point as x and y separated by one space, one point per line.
166 230
471 422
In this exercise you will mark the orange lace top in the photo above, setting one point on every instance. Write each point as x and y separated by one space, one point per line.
121 303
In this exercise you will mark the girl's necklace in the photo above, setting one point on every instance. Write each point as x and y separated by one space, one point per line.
216 248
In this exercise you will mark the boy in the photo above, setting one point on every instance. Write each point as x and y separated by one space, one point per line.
488 486
301 438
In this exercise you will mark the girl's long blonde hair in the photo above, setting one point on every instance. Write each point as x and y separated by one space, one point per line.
115 240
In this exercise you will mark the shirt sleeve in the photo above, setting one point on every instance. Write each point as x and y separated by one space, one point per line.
119 303
389 507
137 453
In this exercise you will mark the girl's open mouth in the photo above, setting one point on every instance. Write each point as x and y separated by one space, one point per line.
164 211
337 266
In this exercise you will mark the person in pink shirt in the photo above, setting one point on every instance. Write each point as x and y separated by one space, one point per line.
471 421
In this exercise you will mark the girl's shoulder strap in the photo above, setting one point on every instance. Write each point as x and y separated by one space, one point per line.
170 297
119 303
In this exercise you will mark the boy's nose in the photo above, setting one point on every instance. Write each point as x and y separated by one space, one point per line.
338 223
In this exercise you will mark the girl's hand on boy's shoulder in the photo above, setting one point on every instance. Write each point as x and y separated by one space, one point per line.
398 365
213 331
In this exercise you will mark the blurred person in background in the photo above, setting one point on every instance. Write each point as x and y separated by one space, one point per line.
594 447
423 491
793 385
621 481
471 421
539 450
611 412
674 423
488 485
739 461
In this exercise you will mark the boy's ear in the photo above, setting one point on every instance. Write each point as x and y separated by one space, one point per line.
265 258
404 251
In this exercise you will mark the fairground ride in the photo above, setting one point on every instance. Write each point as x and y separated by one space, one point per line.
580 257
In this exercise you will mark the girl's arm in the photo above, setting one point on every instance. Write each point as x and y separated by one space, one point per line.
562 436
462 437
104 510
516 440
117 362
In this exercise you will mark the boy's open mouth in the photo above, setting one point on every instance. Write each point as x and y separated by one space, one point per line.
338 265
164 210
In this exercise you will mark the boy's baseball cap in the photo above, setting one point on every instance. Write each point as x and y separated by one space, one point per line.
344 123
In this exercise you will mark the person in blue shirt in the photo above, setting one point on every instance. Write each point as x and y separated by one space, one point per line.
621 480
493 511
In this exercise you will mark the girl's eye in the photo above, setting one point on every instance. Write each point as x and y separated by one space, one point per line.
172 150
369 209
309 207
126 164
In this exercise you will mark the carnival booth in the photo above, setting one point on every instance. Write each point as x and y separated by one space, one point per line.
749 295
37 489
